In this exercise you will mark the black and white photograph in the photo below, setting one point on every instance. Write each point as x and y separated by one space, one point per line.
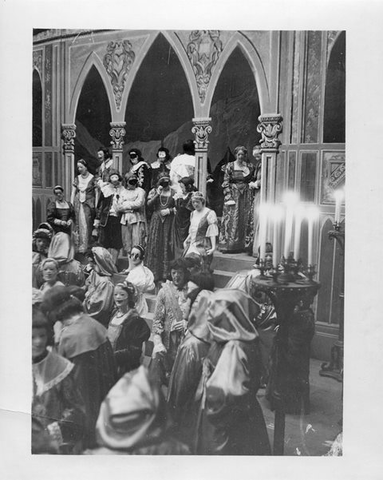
187 194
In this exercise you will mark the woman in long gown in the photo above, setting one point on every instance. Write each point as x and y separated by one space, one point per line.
160 248
60 213
127 331
203 231
84 342
57 406
231 421
238 185
141 277
83 199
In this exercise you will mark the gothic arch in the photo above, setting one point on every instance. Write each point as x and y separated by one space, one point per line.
179 50
255 62
93 60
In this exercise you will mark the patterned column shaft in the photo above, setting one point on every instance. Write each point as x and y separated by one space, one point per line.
117 132
68 133
201 131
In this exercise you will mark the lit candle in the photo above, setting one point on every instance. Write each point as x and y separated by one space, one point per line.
338 195
277 217
290 199
312 215
297 232
263 210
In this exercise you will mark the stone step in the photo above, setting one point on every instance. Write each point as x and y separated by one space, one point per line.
232 262
221 277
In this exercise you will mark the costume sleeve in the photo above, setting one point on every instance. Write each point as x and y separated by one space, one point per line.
51 213
227 390
129 344
159 314
152 196
226 187
212 229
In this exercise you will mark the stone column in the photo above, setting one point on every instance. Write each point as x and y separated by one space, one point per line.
270 126
201 130
117 132
68 133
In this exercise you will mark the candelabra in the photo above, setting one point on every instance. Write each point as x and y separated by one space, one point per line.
286 285
334 368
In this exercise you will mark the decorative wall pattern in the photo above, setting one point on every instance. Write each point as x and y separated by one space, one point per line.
203 50
48 96
333 175
295 89
118 61
313 87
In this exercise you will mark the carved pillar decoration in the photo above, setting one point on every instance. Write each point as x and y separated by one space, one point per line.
270 127
201 130
203 50
118 61
68 133
117 132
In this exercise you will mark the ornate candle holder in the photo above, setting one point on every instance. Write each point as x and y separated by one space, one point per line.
286 287
334 368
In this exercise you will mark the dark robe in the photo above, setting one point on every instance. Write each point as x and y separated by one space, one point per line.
290 364
231 420
127 340
187 372
57 406
85 343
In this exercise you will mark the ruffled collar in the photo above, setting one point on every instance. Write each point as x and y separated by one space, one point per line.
50 371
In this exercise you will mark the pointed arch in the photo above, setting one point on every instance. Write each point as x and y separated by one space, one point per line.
256 65
93 60
37 110
334 118
179 50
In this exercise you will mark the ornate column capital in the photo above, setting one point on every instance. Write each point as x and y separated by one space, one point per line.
68 132
270 127
117 132
201 129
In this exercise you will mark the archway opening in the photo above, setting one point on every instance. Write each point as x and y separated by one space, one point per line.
235 109
160 107
334 129
93 119
37 110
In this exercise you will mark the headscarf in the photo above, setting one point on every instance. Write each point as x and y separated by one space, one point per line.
61 248
133 413
104 261
229 316
197 321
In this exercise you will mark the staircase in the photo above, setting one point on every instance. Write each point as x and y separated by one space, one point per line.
224 265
